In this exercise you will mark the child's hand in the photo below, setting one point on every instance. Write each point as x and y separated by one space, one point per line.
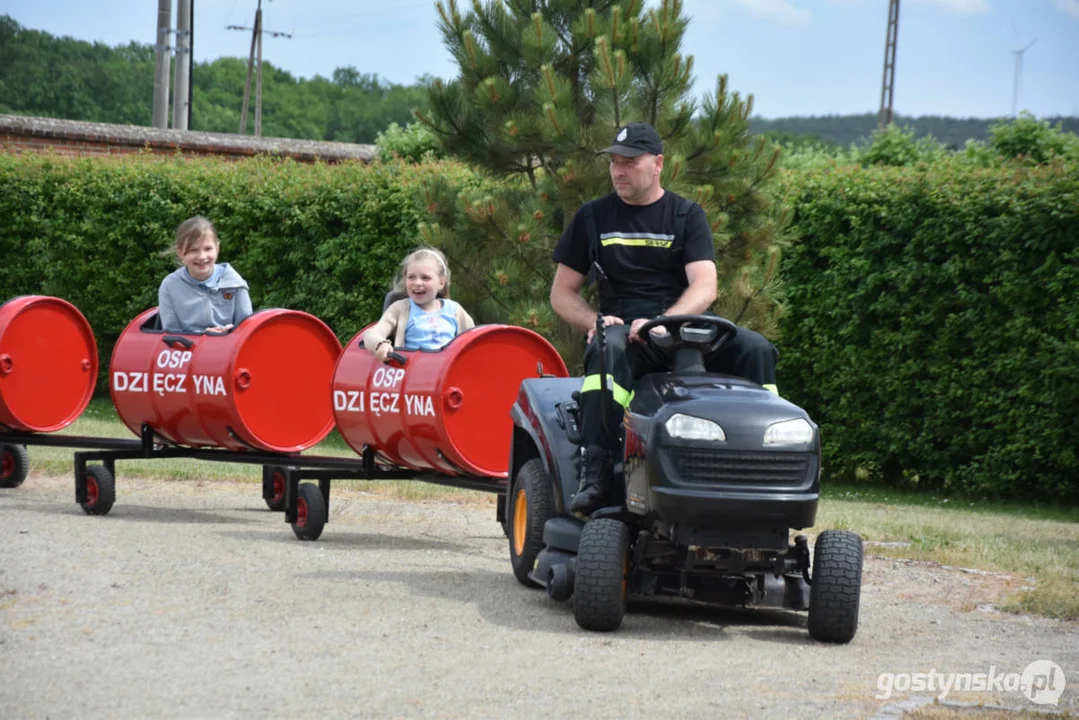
383 351
219 329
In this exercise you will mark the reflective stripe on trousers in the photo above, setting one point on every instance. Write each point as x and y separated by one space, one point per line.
621 395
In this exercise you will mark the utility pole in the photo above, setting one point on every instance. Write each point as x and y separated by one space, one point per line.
258 81
161 64
1018 72
255 32
256 46
191 66
887 89
181 86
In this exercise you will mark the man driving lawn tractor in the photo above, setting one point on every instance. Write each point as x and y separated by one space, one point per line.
655 251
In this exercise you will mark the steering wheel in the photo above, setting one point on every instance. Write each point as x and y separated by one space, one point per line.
706 333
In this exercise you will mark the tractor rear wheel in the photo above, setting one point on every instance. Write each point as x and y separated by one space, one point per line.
529 510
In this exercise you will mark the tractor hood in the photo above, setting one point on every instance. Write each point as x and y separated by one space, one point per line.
744 410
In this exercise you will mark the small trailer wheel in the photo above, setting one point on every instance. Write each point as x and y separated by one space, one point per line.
14 465
310 512
100 490
275 486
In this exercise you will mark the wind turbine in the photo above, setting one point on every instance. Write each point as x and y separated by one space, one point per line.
1018 73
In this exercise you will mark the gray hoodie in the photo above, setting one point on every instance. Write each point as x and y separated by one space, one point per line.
187 306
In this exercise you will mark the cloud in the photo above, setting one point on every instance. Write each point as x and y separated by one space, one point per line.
963 7
782 10
1068 7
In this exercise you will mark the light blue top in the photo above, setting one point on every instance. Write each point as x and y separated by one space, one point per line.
431 330
186 305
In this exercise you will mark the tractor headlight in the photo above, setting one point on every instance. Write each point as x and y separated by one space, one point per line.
687 427
789 432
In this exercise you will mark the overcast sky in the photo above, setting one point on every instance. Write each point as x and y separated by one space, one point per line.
797 57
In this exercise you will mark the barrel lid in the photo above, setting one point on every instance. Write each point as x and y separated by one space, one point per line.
487 374
48 363
282 380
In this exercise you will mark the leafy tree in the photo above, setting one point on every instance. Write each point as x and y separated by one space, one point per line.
895 145
414 142
542 85
63 77
1035 139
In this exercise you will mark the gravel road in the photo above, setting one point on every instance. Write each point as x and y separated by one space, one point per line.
192 600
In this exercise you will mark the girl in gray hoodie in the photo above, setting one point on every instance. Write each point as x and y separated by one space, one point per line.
203 295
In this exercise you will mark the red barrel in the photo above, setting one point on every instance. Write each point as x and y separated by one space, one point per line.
265 385
446 410
48 363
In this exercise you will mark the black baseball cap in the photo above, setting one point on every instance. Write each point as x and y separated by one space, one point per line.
635 139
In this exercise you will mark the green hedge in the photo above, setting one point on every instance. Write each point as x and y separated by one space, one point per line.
97 231
932 324
931 311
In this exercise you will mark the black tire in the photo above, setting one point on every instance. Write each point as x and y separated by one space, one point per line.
276 501
100 490
310 512
599 592
836 591
14 465
529 509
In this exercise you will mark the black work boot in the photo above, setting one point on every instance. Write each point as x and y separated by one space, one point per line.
595 481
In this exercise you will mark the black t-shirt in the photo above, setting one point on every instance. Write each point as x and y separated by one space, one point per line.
643 260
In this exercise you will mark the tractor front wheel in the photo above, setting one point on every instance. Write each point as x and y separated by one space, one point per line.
836 590
599 593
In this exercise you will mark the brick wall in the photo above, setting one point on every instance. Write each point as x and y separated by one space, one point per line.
19 134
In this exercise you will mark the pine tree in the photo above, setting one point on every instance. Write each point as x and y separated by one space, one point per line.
543 84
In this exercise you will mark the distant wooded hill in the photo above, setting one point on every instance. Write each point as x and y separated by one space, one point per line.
49 76
844 130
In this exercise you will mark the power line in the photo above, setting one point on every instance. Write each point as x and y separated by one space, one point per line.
271 33
394 9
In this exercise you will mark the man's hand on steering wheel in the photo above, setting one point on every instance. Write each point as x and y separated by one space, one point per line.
666 334
635 327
